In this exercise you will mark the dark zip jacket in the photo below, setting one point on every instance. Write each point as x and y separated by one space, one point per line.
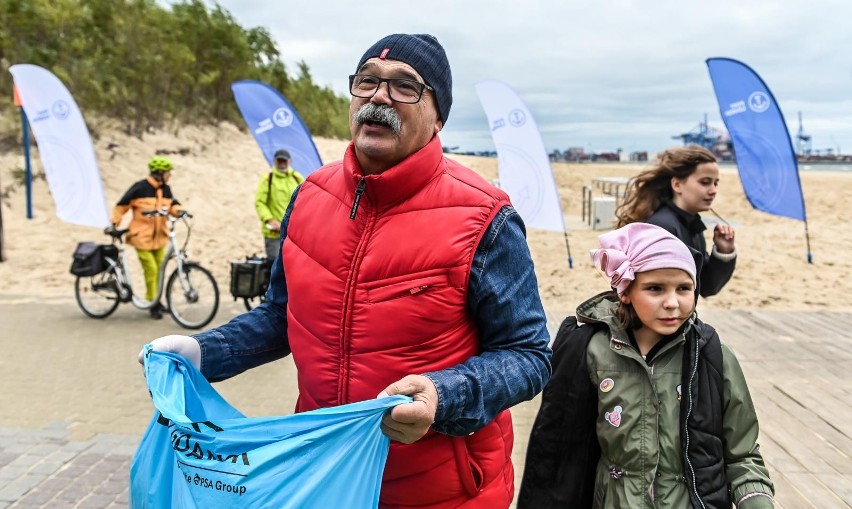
689 228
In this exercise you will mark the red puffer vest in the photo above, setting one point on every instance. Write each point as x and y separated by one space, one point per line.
382 295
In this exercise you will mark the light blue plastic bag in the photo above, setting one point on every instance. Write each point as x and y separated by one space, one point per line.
199 451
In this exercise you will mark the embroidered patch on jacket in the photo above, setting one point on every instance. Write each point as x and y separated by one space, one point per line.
614 417
607 384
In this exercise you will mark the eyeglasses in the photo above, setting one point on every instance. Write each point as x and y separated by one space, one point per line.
400 90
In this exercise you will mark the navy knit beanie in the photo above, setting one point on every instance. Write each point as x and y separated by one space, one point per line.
425 54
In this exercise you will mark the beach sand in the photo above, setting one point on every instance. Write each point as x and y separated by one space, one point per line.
217 170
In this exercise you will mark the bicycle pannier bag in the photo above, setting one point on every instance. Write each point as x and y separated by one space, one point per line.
91 258
249 278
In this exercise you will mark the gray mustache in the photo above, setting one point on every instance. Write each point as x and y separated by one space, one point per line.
379 113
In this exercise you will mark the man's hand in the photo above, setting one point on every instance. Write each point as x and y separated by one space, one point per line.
408 422
723 238
185 346
273 225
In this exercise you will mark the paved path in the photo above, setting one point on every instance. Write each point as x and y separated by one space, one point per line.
74 403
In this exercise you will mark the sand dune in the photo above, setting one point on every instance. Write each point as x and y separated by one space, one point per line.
217 170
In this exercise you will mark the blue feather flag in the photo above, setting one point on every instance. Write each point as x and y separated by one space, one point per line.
275 124
767 163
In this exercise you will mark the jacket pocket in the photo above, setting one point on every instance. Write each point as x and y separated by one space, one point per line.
470 473
407 288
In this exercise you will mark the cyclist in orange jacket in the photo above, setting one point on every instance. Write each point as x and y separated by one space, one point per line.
149 235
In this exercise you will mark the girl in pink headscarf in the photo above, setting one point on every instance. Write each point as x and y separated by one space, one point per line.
646 407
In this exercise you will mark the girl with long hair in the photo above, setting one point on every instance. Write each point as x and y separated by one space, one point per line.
682 182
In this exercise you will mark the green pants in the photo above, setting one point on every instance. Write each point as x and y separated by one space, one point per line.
151 262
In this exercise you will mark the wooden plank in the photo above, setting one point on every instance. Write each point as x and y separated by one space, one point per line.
812 341
815 423
793 324
836 324
787 494
803 445
776 457
801 391
752 343
841 486
740 334
833 411
772 327
831 336
815 491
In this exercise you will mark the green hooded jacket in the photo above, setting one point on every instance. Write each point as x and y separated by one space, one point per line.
273 196
638 428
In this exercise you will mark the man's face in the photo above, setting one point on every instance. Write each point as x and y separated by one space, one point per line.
282 164
377 146
163 176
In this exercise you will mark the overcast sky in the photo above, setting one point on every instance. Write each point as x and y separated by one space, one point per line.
597 74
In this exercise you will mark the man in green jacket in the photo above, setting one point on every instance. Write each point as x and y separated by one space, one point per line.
272 198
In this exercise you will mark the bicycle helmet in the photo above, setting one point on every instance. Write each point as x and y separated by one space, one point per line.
158 163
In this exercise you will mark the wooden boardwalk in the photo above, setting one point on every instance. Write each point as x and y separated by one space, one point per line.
799 369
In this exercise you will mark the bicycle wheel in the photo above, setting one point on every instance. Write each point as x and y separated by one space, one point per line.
193 299
97 295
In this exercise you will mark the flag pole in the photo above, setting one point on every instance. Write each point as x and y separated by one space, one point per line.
568 247
808 243
29 172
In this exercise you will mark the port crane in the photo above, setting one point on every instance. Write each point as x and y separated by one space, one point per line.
803 141
703 135
712 139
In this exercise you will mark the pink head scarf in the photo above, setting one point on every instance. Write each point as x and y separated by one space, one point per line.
640 247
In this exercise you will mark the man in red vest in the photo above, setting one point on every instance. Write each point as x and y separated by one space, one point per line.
402 272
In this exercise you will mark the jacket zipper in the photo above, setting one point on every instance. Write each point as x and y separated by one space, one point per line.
359 190
685 430
348 301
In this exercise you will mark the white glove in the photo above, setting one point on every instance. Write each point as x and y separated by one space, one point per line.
185 346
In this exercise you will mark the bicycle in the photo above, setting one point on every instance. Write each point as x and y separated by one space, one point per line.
192 295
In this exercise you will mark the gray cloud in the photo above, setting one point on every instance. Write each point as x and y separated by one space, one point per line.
598 74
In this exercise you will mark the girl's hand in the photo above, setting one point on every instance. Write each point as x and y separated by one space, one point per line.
723 238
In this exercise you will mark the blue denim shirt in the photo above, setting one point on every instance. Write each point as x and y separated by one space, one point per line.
504 303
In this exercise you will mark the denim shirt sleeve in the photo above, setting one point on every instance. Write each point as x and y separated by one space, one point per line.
504 302
254 338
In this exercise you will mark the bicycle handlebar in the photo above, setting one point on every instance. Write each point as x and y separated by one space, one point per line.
165 212
115 233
